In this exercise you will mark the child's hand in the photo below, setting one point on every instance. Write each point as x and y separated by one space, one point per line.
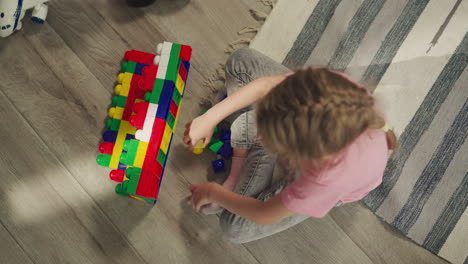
200 128
201 194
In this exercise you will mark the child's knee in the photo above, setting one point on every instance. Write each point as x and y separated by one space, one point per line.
244 131
238 61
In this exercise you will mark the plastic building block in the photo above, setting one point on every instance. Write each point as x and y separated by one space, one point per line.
109 136
225 136
117 175
138 157
185 53
128 66
139 68
215 145
139 56
119 101
225 151
218 165
103 160
106 147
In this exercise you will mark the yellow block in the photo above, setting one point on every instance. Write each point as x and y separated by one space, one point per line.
124 129
180 84
178 113
166 139
125 80
141 154
116 112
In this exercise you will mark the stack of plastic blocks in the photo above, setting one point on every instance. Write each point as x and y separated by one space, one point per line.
143 118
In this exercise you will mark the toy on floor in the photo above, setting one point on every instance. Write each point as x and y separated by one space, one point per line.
143 119
12 12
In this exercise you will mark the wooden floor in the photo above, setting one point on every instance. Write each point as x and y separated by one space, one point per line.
58 206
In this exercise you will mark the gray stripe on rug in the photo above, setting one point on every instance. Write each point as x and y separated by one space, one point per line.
422 152
357 29
393 40
449 218
374 38
447 186
420 122
311 33
433 172
334 32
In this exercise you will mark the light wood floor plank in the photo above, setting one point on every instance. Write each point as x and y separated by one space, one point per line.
378 240
10 250
43 206
313 241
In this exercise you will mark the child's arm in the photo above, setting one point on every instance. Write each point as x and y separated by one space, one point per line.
245 96
249 208
202 126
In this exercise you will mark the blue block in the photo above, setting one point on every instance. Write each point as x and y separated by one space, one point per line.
165 100
218 165
109 136
139 68
225 151
129 136
225 136
186 65
122 166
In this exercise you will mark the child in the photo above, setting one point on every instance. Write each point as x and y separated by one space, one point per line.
318 124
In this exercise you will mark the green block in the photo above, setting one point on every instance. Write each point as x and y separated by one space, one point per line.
216 145
133 173
113 124
147 97
176 97
131 145
129 66
127 158
216 129
174 63
161 158
156 93
103 160
170 120
119 101
130 186
120 190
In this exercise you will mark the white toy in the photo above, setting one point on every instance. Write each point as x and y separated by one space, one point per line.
12 12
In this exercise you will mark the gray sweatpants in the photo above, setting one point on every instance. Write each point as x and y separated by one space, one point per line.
256 176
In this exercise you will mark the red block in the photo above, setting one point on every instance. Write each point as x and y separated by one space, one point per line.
132 93
156 138
173 108
185 52
149 72
117 175
183 72
137 121
106 148
148 184
139 56
141 108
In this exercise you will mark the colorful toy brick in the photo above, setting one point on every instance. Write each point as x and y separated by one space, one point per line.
143 119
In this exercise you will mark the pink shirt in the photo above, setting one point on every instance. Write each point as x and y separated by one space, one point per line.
358 171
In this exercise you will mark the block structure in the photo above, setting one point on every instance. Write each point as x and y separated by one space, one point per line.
143 119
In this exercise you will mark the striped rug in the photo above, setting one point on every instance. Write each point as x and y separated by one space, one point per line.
414 54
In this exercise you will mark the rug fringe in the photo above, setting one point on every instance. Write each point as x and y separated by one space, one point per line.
215 83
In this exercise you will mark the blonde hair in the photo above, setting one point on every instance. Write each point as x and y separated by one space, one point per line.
316 113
